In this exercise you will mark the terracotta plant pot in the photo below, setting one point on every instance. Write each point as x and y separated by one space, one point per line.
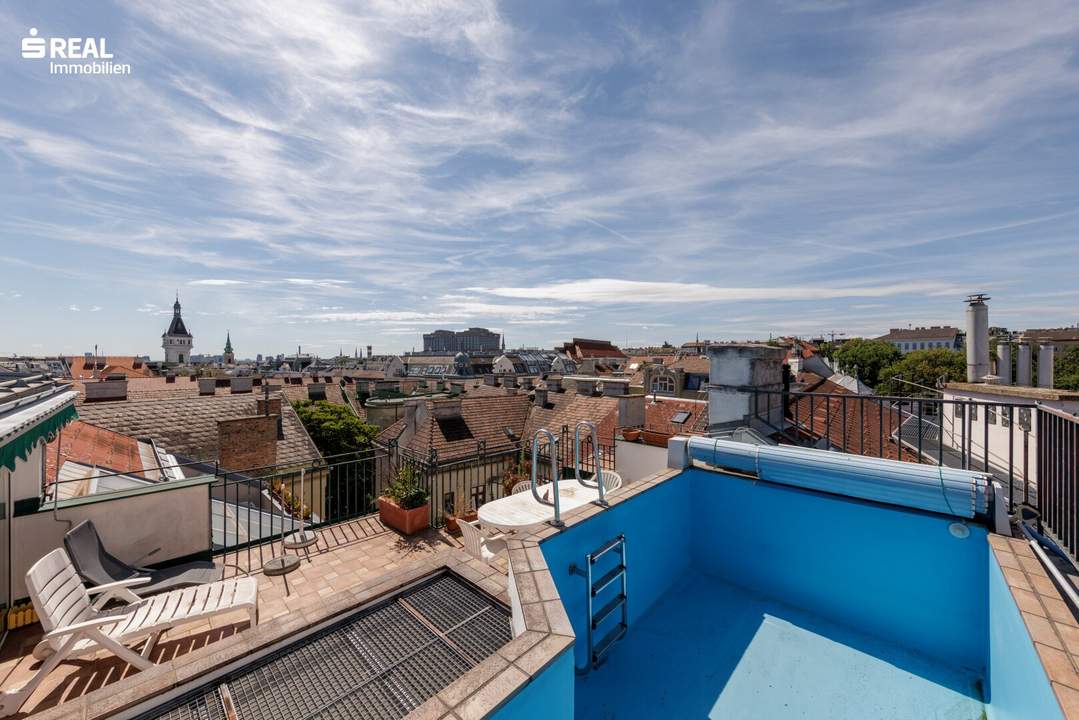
631 434
401 520
452 520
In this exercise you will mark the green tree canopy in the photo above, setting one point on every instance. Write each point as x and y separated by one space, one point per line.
923 367
866 358
1066 370
334 428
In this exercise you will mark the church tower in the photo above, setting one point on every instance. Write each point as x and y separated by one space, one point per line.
230 358
177 341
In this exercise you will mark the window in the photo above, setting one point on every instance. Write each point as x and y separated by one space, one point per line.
680 417
663 383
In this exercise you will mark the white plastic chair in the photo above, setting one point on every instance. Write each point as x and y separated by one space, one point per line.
479 545
75 626
523 486
611 481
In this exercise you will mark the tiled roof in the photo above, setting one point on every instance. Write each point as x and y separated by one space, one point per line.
936 332
188 425
481 419
658 414
110 363
88 444
1054 334
568 408
693 364
857 426
299 392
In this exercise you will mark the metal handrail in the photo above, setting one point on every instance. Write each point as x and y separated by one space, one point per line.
577 459
551 443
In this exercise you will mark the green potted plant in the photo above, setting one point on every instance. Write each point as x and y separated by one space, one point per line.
462 512
405 505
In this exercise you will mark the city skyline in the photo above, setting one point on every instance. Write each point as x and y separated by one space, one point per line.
616 171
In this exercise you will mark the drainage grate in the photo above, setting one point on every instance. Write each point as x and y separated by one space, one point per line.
380 663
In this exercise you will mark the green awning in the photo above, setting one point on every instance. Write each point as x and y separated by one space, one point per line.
19 448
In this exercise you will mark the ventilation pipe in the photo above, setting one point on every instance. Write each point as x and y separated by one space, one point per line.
1045 365
1004 363
977 337
1022 363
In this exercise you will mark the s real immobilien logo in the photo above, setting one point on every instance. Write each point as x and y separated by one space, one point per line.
73 55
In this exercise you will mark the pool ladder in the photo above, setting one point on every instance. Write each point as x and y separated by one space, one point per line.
597 651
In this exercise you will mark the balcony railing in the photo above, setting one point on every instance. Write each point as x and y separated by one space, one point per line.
1030 449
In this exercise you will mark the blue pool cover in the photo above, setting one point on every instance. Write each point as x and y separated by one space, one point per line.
960 493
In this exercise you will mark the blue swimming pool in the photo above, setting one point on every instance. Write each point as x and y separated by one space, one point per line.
754 600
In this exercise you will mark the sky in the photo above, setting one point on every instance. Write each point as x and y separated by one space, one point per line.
339 174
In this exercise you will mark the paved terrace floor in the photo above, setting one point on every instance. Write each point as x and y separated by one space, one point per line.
347 554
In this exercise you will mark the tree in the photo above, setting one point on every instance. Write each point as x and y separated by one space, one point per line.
866 358
923 367
827 349
334 428
1066 370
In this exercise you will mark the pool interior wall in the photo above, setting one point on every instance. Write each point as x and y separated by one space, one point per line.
875 611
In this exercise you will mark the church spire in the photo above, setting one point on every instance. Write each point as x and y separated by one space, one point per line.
228 342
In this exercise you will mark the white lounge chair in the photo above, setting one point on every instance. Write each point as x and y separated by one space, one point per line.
75 625
478 545
523 486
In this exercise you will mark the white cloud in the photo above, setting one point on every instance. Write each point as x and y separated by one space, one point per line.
217 282
73 308
610 290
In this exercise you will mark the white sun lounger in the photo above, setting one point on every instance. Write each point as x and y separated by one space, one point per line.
75 626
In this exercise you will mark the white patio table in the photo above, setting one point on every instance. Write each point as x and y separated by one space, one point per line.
521 511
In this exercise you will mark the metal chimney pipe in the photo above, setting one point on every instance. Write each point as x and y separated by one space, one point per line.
1022 363
977 337
1045 365
1004 362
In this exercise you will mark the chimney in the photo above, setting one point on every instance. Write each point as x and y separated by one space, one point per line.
316 391
271 406
410 413
977 337
616 387
511 390
734 370
795 363
457 387
509 381
113 387
1045 364
554 385
1004 363
631 411
1022 363
586 386
489 379
439 386
207 386
445 409
240 385
170 378
247 443
541 397
192 378
369 353
527 383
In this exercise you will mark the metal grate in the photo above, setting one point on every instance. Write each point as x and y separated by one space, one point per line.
380 663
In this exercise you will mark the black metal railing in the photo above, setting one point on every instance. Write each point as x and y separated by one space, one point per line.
460 484
1058 476
993 437
258 505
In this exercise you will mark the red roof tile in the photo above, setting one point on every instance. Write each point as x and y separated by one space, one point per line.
88 444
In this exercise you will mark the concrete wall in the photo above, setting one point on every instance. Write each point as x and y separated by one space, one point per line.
735 368
634 461
172 516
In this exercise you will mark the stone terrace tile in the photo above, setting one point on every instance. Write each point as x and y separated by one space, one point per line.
1051 622
347 556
